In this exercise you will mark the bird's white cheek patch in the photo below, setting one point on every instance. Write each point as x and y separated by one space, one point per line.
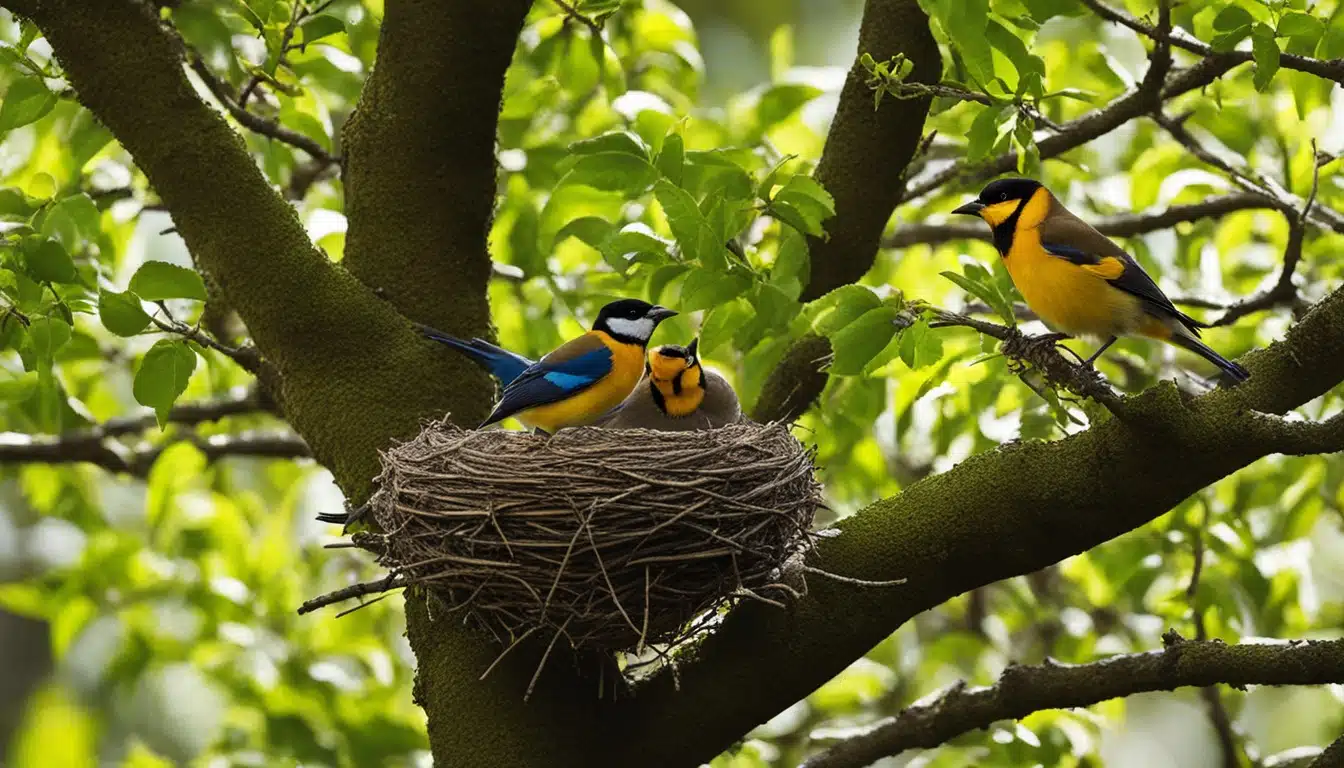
640 329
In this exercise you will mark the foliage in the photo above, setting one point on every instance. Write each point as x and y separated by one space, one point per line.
171 596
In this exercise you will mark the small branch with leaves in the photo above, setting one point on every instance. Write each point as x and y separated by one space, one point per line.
252 121
102 445
1022 690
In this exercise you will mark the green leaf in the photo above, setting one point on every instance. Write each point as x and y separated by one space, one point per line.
672 158
692 230
840 307
1266 53
592 230
792 267
984 132
985 293
722 322
27 100
965 23
121 313
1012 46
707 170
861 340
163 375
19 388
46 335
780 102
47 262
323 25
1301 25
803 204
619 142
14 204
159 280
705 288
920 346
72 220
1228 40
1232 17
619 248
613 172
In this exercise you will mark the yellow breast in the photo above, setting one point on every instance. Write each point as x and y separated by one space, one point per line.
584 408
1066 296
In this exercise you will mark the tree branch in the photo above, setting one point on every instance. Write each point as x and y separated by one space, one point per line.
98 444
1332 757
796 382
97 448
1148 96
867 149
337 349
1022 690
420 172
996 515
1120 225
254 122
1332 69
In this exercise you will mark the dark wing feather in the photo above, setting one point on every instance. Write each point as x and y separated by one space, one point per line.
1069 237
570 369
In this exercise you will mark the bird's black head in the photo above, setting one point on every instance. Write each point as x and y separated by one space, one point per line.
998 192
631 320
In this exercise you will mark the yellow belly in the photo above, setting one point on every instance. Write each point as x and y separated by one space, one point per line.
1067 297
585 407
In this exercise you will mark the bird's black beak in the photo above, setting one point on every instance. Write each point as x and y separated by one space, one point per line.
658 314
970 209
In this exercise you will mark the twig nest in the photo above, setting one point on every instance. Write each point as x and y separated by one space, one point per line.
612 539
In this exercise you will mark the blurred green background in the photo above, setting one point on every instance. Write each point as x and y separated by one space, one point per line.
150 620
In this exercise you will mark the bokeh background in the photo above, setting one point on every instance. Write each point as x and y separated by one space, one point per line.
150 620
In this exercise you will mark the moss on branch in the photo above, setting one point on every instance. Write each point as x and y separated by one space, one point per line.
352 373
420 171
867 150
999 514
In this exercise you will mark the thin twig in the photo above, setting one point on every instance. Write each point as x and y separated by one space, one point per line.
1332 69
253 121
573 13
247 357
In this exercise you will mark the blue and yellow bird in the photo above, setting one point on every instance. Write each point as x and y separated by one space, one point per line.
1075 279
584 378
495 360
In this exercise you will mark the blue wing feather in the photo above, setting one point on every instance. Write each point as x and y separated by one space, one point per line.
567 371
497 361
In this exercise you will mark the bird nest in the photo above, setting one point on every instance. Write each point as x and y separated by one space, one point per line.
612 539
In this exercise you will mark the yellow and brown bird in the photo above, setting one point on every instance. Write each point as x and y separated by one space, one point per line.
677 394
585 377
1075 279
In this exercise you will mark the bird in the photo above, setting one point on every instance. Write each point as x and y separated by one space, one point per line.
497 361
1077 280
676 394
585 377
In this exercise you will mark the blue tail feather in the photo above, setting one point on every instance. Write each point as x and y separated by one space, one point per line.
497 361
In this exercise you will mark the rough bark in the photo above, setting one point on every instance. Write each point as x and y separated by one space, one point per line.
420 171
867 150
354 377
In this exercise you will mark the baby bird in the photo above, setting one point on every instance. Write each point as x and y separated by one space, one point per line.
676 395
1077 280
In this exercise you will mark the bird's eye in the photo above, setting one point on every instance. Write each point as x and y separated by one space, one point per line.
1003 195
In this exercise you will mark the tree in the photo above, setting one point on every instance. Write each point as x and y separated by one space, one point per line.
599 187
